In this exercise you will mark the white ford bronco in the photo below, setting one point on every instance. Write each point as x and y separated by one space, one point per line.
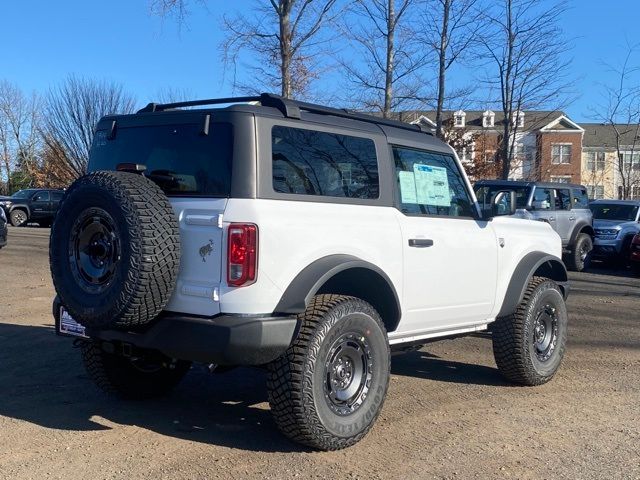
309 240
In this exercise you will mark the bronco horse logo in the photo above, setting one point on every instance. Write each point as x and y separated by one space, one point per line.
206 250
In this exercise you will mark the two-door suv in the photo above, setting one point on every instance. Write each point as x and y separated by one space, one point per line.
306 239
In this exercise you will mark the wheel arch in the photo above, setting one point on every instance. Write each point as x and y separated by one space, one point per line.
582 228
20 207
344 275
533 264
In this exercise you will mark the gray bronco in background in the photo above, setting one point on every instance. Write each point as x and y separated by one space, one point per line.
564 206
615 223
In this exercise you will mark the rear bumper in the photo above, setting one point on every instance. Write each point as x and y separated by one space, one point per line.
223 340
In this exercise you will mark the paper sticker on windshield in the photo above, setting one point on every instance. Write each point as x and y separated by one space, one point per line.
432 185
407 187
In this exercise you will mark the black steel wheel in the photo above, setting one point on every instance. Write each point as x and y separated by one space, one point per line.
529 345
327 390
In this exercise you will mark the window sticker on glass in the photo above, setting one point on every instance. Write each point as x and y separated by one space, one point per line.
407 187
432 185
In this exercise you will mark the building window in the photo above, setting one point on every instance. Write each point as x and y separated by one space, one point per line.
488 119
631 160
561 178
561 153
595 192
518 119
459 118
595 161
635 192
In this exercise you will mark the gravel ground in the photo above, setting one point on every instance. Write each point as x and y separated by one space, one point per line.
448 413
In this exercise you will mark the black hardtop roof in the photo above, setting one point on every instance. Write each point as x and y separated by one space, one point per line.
527 183
275 106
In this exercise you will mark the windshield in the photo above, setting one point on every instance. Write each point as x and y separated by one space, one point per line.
23 194
614 211
179 158
485 194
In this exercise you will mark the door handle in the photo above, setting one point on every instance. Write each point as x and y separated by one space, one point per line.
552 219
572 218
420 242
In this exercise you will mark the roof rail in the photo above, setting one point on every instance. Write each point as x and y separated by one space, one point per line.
289 108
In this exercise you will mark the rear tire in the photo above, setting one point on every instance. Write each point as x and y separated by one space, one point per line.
18 218
148 375
327 390
529 345
579 257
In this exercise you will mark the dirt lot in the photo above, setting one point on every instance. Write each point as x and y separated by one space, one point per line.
448 413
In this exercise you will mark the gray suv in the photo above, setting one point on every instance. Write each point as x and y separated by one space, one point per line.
564 206
615 223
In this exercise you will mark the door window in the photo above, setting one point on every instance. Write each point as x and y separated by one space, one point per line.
542 199
41 197
563 199
431 184
56 196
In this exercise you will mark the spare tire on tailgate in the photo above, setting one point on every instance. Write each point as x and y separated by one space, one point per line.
114 250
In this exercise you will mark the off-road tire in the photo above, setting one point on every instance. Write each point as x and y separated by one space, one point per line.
514 346
297 380
18 217
576 260
119 376
145 264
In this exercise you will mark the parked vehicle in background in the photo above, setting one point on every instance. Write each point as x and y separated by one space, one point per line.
32 205
615 223
304 238
3 228
634 255
564 206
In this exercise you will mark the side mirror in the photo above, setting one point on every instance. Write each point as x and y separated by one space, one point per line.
504 203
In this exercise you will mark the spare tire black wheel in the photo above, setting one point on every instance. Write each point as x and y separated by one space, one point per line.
114 250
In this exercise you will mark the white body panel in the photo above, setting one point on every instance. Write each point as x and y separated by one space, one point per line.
455 286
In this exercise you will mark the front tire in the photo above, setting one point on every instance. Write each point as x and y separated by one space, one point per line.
529 345
580 255
327 390
146 375
18 218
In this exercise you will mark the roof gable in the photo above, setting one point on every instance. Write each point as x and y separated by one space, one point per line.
562 123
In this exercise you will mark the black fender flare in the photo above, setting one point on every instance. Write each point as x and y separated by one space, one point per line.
20 207
309 280
578 229
534 262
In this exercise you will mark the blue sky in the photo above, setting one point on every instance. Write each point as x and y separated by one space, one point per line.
42 42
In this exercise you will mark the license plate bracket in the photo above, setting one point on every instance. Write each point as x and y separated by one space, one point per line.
68 327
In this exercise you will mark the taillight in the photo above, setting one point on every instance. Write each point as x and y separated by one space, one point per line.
242 254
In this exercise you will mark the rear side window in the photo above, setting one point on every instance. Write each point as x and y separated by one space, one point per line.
580 198
181 160
56 196
431 184
309 162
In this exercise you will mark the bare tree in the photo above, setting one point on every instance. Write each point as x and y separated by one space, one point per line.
621 112
386 76
450 30
525 50
280 43
19 123
71 114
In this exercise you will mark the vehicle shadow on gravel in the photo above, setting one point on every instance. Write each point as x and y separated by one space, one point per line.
42 381
427 366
